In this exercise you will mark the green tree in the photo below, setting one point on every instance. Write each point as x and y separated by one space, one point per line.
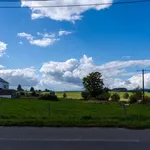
19 88
93 83
126 95
138 93
46 90
31 89
85 95
115 97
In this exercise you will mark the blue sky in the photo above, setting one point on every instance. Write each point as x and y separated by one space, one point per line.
115 34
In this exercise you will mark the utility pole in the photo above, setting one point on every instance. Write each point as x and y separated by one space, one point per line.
143 72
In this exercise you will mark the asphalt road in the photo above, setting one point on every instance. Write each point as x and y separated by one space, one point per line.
21 138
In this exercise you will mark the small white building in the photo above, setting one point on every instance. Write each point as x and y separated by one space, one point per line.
4 89
4 85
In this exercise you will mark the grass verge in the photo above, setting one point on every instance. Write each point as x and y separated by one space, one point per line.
72 113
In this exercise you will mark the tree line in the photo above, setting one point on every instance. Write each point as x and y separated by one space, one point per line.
94 89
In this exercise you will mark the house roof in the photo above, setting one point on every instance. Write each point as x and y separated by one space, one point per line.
3 81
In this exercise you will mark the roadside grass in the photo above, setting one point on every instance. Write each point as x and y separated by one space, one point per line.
72 113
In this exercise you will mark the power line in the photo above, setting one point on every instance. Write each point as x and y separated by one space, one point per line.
79 5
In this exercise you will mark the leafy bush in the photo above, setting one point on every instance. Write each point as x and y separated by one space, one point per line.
125 95
52 93
133 99
146 100
49 97
34 94
64 95
138 93
104 96
85 95
16 95
115 97
22 93
136 96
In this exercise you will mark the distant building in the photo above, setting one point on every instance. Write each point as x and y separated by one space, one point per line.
5 92
4 85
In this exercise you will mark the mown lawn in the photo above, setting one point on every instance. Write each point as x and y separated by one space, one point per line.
72 113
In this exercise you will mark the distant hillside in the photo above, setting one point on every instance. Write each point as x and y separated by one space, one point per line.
119 90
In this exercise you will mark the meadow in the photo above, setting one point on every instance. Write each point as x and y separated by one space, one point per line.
77 95
72 113
70 95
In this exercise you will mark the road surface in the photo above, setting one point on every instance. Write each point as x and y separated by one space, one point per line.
27 138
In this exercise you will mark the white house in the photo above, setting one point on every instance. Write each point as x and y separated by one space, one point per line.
4 85
4 89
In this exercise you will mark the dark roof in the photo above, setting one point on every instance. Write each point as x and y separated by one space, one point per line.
3 81
7 92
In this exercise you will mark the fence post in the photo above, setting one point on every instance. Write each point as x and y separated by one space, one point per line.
124 108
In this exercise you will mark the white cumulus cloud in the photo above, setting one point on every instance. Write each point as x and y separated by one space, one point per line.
62 32
70 73
3 47
25 35
63 13
44 42
43 39
27 77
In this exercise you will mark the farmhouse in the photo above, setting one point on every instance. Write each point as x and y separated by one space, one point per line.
4 85
5 92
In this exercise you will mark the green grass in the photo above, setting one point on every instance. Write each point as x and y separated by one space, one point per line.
70 95
70 113
77 95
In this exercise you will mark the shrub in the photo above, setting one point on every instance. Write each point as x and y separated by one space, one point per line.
34 94
133 99
52 93
146 100
85 95
64 95
138 93
16 95
104 96
125 95
48 97
136 96
22 93
115 97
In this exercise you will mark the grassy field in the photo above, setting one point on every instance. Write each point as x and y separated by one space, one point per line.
71 95
77 95
29 112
